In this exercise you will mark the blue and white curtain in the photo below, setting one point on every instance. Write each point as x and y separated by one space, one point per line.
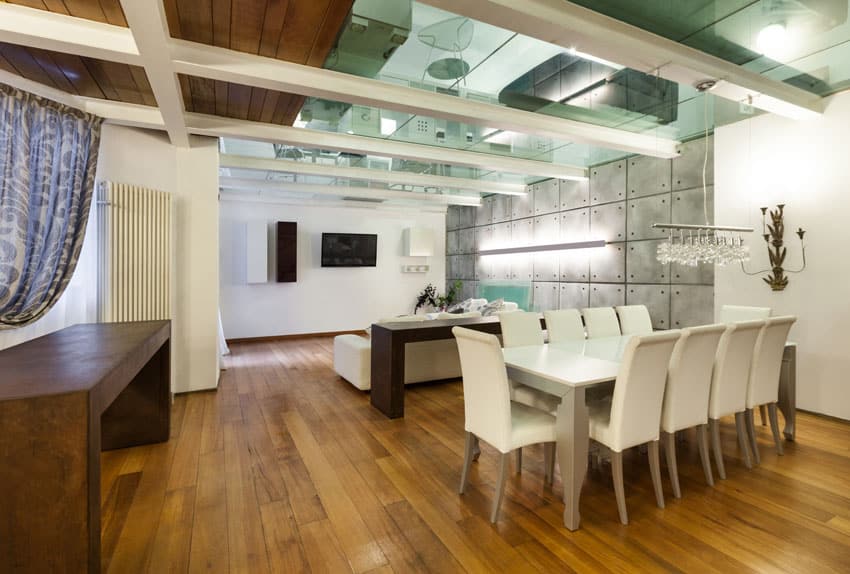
48 156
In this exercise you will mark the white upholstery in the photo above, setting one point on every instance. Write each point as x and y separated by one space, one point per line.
763 386
520 329
634 319
353 360
635 407
489 412
466 315
564 325
736 313
509 307
600 322
732 369
689 378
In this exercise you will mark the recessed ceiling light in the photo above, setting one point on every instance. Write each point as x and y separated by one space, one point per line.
771 40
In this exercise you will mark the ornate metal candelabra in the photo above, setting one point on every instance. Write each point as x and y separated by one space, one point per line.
773 233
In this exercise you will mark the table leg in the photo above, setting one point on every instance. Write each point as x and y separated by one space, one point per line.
387 393
572 440
788 390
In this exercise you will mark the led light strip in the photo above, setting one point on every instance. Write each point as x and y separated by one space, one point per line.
550 247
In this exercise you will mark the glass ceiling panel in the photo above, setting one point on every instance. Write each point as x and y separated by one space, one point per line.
805 43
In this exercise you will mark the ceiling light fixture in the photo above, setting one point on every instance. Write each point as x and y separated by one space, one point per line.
771 40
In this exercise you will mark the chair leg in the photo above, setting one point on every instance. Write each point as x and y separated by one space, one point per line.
714 425
476 448
519 460
619 492
500 487
655 471
763 417
741 428
702 441
670 452
549 461
471 440
774 427
751 431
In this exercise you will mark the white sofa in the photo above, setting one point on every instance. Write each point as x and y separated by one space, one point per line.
423 361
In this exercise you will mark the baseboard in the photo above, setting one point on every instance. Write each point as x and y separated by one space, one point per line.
294 336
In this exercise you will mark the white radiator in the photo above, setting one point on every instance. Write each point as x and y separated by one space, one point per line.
134 253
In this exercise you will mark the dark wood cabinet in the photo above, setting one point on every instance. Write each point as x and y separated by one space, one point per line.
287 251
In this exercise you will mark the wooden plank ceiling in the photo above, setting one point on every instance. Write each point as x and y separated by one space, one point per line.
78 75
300 31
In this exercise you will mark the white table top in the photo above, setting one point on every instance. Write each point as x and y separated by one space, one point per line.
566 366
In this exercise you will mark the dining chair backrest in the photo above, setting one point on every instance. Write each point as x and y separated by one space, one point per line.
600 322
737 313
520 329
634 319
486 394
731 373
689 378
564 325
639 389
767 361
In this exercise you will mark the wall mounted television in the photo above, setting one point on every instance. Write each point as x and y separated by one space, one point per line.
349 250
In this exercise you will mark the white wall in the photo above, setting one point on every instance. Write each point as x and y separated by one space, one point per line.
806 165
147 159
323 299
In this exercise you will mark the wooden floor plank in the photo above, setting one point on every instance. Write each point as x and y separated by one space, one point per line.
288 468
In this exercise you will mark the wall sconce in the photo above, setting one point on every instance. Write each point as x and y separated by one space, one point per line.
773 236
550 247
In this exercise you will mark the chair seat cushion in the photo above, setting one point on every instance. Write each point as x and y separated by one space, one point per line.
600 421
530 426
531 397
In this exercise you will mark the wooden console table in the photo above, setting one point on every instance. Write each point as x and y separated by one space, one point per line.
63 398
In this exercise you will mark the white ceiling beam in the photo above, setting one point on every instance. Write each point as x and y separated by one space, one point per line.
201 124
575 27
259 185
39 89
367 174
66 34
247 69
150 30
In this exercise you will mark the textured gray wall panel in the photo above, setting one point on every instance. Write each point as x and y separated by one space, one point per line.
483 237
642 265
466 216
687 168
547 197
574 194
523 205
608 182
452 218
545 296
483 213
522 267
608 221
483 268
466 240
574 296
522 232
466 269
657 301
608 264
547 266
501 208
687 206
575 225
452 242
575 266
645 211
700 275
691 305
607 295
647 176
547 229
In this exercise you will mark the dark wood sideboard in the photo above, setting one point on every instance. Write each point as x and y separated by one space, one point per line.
65 397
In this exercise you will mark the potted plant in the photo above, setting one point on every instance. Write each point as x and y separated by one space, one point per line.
430 297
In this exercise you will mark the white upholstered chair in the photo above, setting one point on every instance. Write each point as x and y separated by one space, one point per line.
564 325
632 417
520 329
737 313
729 385
600 322
763 387
686 395
489 412
634 319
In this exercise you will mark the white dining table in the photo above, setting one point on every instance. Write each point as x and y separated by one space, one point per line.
567 370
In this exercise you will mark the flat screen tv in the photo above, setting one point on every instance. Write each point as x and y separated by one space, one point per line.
349 250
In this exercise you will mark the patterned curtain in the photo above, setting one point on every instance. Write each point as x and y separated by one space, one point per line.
48 155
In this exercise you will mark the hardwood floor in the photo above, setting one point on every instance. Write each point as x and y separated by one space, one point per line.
287 468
